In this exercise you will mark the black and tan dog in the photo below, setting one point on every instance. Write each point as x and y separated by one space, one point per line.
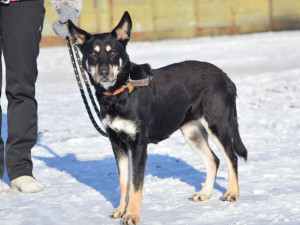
140 105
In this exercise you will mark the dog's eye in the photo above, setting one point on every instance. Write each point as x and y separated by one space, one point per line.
112 53
93 54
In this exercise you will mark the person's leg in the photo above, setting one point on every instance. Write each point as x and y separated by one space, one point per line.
21 33
2 168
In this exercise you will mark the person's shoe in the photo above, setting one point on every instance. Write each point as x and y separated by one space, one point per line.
26 184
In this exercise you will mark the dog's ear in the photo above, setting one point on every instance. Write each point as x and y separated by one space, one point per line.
79 36
123 30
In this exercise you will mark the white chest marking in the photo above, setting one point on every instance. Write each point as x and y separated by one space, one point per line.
107 85
120 125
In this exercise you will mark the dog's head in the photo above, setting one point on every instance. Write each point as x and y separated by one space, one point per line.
104 55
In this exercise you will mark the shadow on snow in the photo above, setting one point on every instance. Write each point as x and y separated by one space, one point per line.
102 175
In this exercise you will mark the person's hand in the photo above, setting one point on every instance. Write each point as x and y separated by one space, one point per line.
60 26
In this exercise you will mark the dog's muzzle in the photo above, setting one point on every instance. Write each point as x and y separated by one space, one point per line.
103 72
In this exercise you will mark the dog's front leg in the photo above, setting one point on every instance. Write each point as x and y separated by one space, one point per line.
122 159
139 158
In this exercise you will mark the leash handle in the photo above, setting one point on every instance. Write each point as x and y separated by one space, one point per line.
81 87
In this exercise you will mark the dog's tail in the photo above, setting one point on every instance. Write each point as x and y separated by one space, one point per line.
237 144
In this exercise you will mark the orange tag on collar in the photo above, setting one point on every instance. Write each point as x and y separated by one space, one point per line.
130 88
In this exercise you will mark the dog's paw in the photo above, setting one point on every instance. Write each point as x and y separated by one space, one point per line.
117 213
130 219
198 197
231 197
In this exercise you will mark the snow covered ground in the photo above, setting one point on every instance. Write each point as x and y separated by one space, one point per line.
77 166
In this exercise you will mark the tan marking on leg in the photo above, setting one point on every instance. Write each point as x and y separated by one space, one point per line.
232 193
199 144
123 166
132 215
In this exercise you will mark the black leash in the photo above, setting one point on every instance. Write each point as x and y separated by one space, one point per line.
72 48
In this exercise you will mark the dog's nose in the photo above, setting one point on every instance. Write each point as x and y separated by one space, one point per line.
103 72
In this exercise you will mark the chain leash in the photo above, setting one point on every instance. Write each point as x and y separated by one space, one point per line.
72 48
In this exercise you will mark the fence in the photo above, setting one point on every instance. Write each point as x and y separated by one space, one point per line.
161 19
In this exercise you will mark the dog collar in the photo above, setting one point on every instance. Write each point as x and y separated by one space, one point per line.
130 88
130 84
139 83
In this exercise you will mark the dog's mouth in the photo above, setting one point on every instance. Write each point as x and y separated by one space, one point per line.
106 77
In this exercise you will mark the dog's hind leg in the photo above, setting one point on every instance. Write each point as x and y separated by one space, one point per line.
196 136
122 158
224 142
